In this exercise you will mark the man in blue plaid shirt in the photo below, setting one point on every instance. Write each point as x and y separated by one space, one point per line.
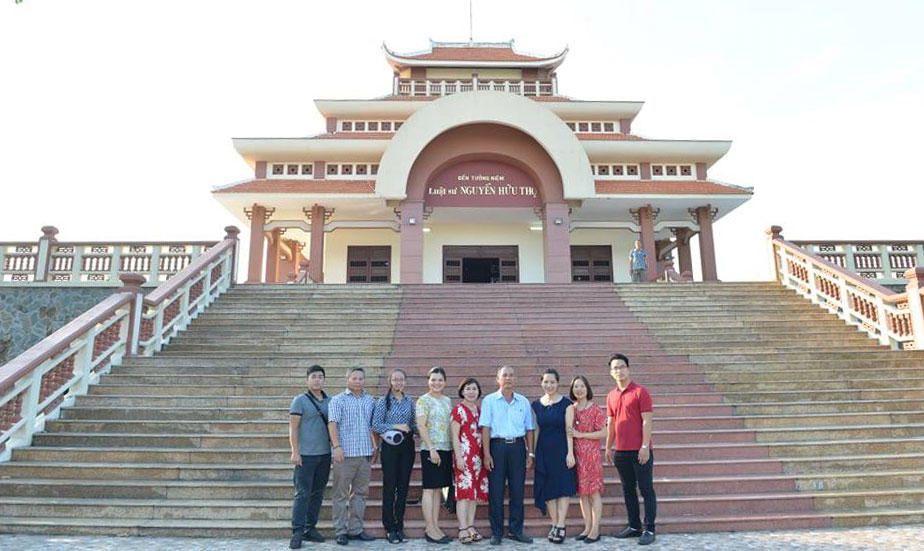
354 448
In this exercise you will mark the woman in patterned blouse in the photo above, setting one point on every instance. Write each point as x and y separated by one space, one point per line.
433 412
471 476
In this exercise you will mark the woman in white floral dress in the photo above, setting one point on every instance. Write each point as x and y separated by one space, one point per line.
471 476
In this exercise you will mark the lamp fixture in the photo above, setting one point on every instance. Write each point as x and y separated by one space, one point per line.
559 221
412 221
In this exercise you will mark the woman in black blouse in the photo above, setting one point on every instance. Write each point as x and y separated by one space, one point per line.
393 419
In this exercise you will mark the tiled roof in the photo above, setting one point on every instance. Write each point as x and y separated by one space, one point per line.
431 98
474 54
355 136
608 137
301 186
666 187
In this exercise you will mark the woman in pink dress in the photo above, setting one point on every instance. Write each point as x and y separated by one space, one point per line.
586 426
471 476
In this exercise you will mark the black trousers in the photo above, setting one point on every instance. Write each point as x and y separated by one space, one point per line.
635 476
310 480
510 471
397 463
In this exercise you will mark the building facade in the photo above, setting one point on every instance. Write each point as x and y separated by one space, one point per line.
476 169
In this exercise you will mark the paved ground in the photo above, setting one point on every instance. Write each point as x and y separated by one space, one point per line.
898 538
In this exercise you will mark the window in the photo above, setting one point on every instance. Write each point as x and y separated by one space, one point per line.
360 126
307 169
346 126
373 126
278 170
292 170
332 169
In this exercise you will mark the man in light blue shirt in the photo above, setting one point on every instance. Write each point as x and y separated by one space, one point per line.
638 263
507 439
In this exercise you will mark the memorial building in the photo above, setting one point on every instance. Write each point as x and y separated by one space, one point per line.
475 168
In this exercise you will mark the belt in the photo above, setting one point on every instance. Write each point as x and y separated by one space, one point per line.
508 440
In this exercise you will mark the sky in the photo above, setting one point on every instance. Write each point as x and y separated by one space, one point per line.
116 117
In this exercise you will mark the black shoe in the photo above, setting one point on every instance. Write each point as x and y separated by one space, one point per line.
646 538
582 537
313 535
591 540
442 540
520 538
295 542
496 540
401 536
342 539
362 536
628 532
392 537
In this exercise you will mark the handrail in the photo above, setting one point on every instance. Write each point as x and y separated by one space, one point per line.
895 319
35 384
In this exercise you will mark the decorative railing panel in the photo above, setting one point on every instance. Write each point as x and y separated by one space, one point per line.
884 262
86 264
895 319
449 87
35 384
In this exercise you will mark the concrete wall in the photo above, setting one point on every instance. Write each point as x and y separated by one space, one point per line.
29 314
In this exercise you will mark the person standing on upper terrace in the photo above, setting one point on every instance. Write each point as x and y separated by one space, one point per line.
354 449
310 444
638 263
628 447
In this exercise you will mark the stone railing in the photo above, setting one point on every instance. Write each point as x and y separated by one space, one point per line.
670 275
884 262
895 319
35 384
50 262
447 87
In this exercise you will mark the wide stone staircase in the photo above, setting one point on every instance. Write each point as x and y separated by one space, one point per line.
770 413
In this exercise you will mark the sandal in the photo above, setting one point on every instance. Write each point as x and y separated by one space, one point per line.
474 533
559 534
465 537
552 534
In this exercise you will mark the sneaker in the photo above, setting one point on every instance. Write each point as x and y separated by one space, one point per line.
392 537
496 540
401 536
646 538
342 539
295 542
362 536
314 536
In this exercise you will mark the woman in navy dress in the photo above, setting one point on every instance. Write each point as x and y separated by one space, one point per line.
555 480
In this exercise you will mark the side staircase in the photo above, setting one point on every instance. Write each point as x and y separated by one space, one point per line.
770 413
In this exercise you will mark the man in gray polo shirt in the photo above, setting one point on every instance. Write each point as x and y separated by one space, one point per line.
310 443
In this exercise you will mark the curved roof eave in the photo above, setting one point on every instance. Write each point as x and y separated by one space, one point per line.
397 60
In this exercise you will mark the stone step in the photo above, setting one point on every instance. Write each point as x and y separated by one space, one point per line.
255 448
534 527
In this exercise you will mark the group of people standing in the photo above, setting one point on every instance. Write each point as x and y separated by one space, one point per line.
478 450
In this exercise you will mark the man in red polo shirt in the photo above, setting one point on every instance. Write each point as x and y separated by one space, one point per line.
628 446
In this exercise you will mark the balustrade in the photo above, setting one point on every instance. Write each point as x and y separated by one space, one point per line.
35 384
893 318
883 262
428 87
90 264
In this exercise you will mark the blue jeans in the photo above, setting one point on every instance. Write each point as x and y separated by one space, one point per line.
310 480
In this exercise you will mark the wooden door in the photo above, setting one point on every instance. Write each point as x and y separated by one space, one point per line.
591 263
369 264
508 256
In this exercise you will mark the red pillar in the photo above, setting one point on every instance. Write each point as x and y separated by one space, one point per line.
255 262
272 257
316 252
412 241
646 221
556 242
706 243
684 256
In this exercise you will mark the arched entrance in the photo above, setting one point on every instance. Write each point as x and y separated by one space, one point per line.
486 173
